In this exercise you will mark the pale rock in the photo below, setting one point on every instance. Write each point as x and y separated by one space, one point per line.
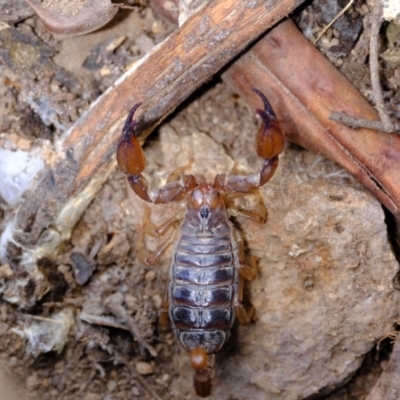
144 368
323 293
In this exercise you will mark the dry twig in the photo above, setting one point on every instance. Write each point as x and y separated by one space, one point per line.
102 321
120 313
162 80
355 122
304 96
322 33
374 66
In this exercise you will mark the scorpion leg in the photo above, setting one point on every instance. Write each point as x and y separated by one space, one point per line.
269 144
148 228
163 319
248 272
159 230
131 160
151 259
258 215
243 316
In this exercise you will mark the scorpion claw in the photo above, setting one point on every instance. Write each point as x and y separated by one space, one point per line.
268 112
270 140
130 124
130 156
265 117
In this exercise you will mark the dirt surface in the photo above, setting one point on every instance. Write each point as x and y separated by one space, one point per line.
102 294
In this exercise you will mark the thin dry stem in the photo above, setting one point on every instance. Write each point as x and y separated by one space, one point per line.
322 33
356 122
374 66
120 313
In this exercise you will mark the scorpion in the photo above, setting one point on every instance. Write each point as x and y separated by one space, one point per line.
204 292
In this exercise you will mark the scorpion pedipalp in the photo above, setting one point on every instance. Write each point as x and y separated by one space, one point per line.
131 160
269 144
130 156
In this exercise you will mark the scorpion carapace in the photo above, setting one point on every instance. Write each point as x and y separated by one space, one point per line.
207 270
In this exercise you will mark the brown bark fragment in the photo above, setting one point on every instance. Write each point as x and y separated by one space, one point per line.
304 94
162 80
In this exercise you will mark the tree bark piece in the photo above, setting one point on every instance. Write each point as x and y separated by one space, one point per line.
162 80
304 88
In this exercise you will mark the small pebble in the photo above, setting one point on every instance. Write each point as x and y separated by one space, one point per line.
131 302
157 301
6 271
163 379
144 368
135 391
157 27
33 382
13 361
104 278
104 71
83 267
150 276
111 385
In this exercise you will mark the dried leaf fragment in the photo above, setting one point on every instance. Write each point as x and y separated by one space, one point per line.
304 96
48 334
392 56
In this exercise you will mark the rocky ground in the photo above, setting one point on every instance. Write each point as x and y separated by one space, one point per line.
325 301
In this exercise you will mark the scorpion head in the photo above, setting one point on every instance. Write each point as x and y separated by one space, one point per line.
205 204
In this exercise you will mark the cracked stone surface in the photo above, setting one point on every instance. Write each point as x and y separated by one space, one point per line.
324 292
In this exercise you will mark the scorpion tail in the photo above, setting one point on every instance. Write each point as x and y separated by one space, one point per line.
202 382
203 372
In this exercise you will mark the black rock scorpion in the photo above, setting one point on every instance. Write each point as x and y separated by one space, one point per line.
207 270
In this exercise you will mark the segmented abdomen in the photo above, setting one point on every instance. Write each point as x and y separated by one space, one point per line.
203 287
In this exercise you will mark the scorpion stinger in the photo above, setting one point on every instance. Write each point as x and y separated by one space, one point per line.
204 293
203 366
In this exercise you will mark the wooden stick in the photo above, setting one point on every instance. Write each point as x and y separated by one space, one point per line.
161 80
304 89
377 94
308 95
